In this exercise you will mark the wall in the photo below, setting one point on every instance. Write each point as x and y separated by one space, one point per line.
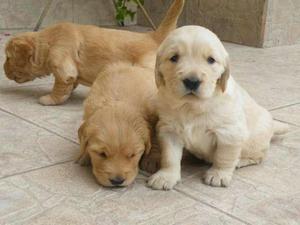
259 23
24 14
283 23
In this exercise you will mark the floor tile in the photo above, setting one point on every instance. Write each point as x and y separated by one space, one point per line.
64 119
289 114
25 147
263 194
271 79
72 196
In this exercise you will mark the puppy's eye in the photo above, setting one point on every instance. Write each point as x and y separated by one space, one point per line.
103 155
174 58
211 60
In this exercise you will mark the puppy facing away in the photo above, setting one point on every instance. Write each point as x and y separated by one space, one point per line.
202 109
78 53
119 120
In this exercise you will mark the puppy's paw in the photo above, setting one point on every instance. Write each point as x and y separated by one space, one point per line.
49 100
218 177
164 180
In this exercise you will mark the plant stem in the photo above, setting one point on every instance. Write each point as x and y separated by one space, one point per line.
146 15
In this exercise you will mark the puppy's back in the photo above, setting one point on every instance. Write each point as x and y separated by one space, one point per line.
123 83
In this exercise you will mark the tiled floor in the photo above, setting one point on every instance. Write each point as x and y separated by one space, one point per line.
40 184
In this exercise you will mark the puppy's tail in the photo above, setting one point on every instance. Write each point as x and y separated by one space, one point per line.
169 23
279 129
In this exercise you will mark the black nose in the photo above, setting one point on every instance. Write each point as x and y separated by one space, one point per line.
191 83
117 181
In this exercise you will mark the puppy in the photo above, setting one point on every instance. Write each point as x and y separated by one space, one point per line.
78 53
119 117
202 108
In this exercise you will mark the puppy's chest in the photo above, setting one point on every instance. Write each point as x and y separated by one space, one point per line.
197 136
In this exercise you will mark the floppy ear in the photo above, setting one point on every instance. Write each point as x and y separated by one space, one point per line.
148 146
225 76
159 78
84 158
22 46
23 49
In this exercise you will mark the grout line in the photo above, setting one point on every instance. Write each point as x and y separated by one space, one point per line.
289 123
39 126
38 168
211 206
284 106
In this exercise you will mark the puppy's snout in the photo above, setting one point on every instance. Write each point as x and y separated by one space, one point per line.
191 83
117 181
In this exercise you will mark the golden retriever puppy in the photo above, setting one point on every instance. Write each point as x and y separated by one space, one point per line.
119 119
78 53
202 108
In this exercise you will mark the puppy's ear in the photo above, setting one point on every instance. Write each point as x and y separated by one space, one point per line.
159 78
148 145
23 49
225 76
23 46
84 158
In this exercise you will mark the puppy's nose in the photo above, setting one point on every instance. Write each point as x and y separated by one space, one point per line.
191 83
117 181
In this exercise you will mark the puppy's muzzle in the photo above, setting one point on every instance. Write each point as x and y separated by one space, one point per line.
192 83
117 181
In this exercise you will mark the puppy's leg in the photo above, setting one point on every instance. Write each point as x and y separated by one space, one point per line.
65 73
60 93
224 163
151 162
169 174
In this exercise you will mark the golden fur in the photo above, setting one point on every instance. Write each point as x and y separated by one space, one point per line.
118 122
78 53
202 109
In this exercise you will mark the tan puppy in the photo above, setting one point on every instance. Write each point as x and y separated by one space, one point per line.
78 53
201 108
118 122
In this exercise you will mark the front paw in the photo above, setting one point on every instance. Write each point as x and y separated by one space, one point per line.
164 180
218 177
49 100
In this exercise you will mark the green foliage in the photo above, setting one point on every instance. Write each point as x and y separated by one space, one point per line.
122 10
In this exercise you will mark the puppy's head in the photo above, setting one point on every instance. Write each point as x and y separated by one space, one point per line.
114 143
192 63
20 54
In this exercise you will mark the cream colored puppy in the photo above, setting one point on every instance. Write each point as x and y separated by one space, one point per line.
203 109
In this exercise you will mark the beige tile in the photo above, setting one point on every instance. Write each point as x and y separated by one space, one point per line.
64 119
263 194
289 114
71 196
25 147
271 76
